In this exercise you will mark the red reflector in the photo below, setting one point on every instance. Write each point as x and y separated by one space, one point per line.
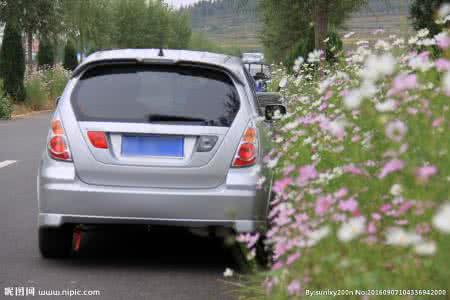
58 148
98 139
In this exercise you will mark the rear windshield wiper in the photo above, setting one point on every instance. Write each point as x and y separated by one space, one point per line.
175 119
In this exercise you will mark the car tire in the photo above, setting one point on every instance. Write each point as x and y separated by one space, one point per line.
55 242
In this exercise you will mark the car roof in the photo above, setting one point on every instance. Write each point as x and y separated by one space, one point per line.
230 63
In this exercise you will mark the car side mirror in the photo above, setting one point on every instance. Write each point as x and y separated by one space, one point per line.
272 105
275 112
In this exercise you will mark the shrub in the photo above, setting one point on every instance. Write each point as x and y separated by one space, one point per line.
12 62
56 79
362 175
37 91
70 56
5 107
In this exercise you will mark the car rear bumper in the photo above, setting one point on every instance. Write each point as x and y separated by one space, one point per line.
65 199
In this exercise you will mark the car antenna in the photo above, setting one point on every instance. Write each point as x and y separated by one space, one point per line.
161 52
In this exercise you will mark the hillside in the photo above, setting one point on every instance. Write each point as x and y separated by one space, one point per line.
231 26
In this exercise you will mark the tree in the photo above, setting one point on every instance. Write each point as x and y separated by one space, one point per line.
70 61
287 24
12 61
423 14
46 55
33 16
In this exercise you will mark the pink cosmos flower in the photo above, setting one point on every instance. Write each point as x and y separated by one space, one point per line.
438 122
352 169
442 64
249 239
376 216
396 130
341 193
443 41
403 82
371 228
281 184
323 204
292 258
294 288
306 173
348 205
425 172
391 166
404 207
385 208
278 265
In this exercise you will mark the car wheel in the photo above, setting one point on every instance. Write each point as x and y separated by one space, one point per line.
55 242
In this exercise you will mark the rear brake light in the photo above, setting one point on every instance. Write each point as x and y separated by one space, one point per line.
247 151
98 139
57 145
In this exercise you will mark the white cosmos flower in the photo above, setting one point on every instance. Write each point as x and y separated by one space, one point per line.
386 106
378 66
396 190
283 82
399 237
228 273
272 163
444 11
314 56
425 248
413 40
423 33
441 219
347 35
316 235
381 44
353 99
351 229
298 63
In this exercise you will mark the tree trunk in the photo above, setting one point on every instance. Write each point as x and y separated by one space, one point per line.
320 24
29 48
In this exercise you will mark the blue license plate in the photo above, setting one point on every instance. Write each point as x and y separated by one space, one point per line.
161 146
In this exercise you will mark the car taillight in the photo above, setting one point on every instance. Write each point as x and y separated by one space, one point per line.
247 152
57 145
98 139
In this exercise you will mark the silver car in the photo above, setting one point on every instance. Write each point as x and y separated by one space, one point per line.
154 137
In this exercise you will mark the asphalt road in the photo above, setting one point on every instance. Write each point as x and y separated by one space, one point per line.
128 263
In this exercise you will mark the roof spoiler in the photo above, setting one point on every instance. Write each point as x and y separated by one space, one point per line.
163 61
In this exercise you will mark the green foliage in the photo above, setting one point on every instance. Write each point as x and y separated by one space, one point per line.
423 14
12 62
6 107
43 86
334 46
285 23
70 61
46 55
301 48
37 94
181 31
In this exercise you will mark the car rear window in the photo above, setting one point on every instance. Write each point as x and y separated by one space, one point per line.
156 94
